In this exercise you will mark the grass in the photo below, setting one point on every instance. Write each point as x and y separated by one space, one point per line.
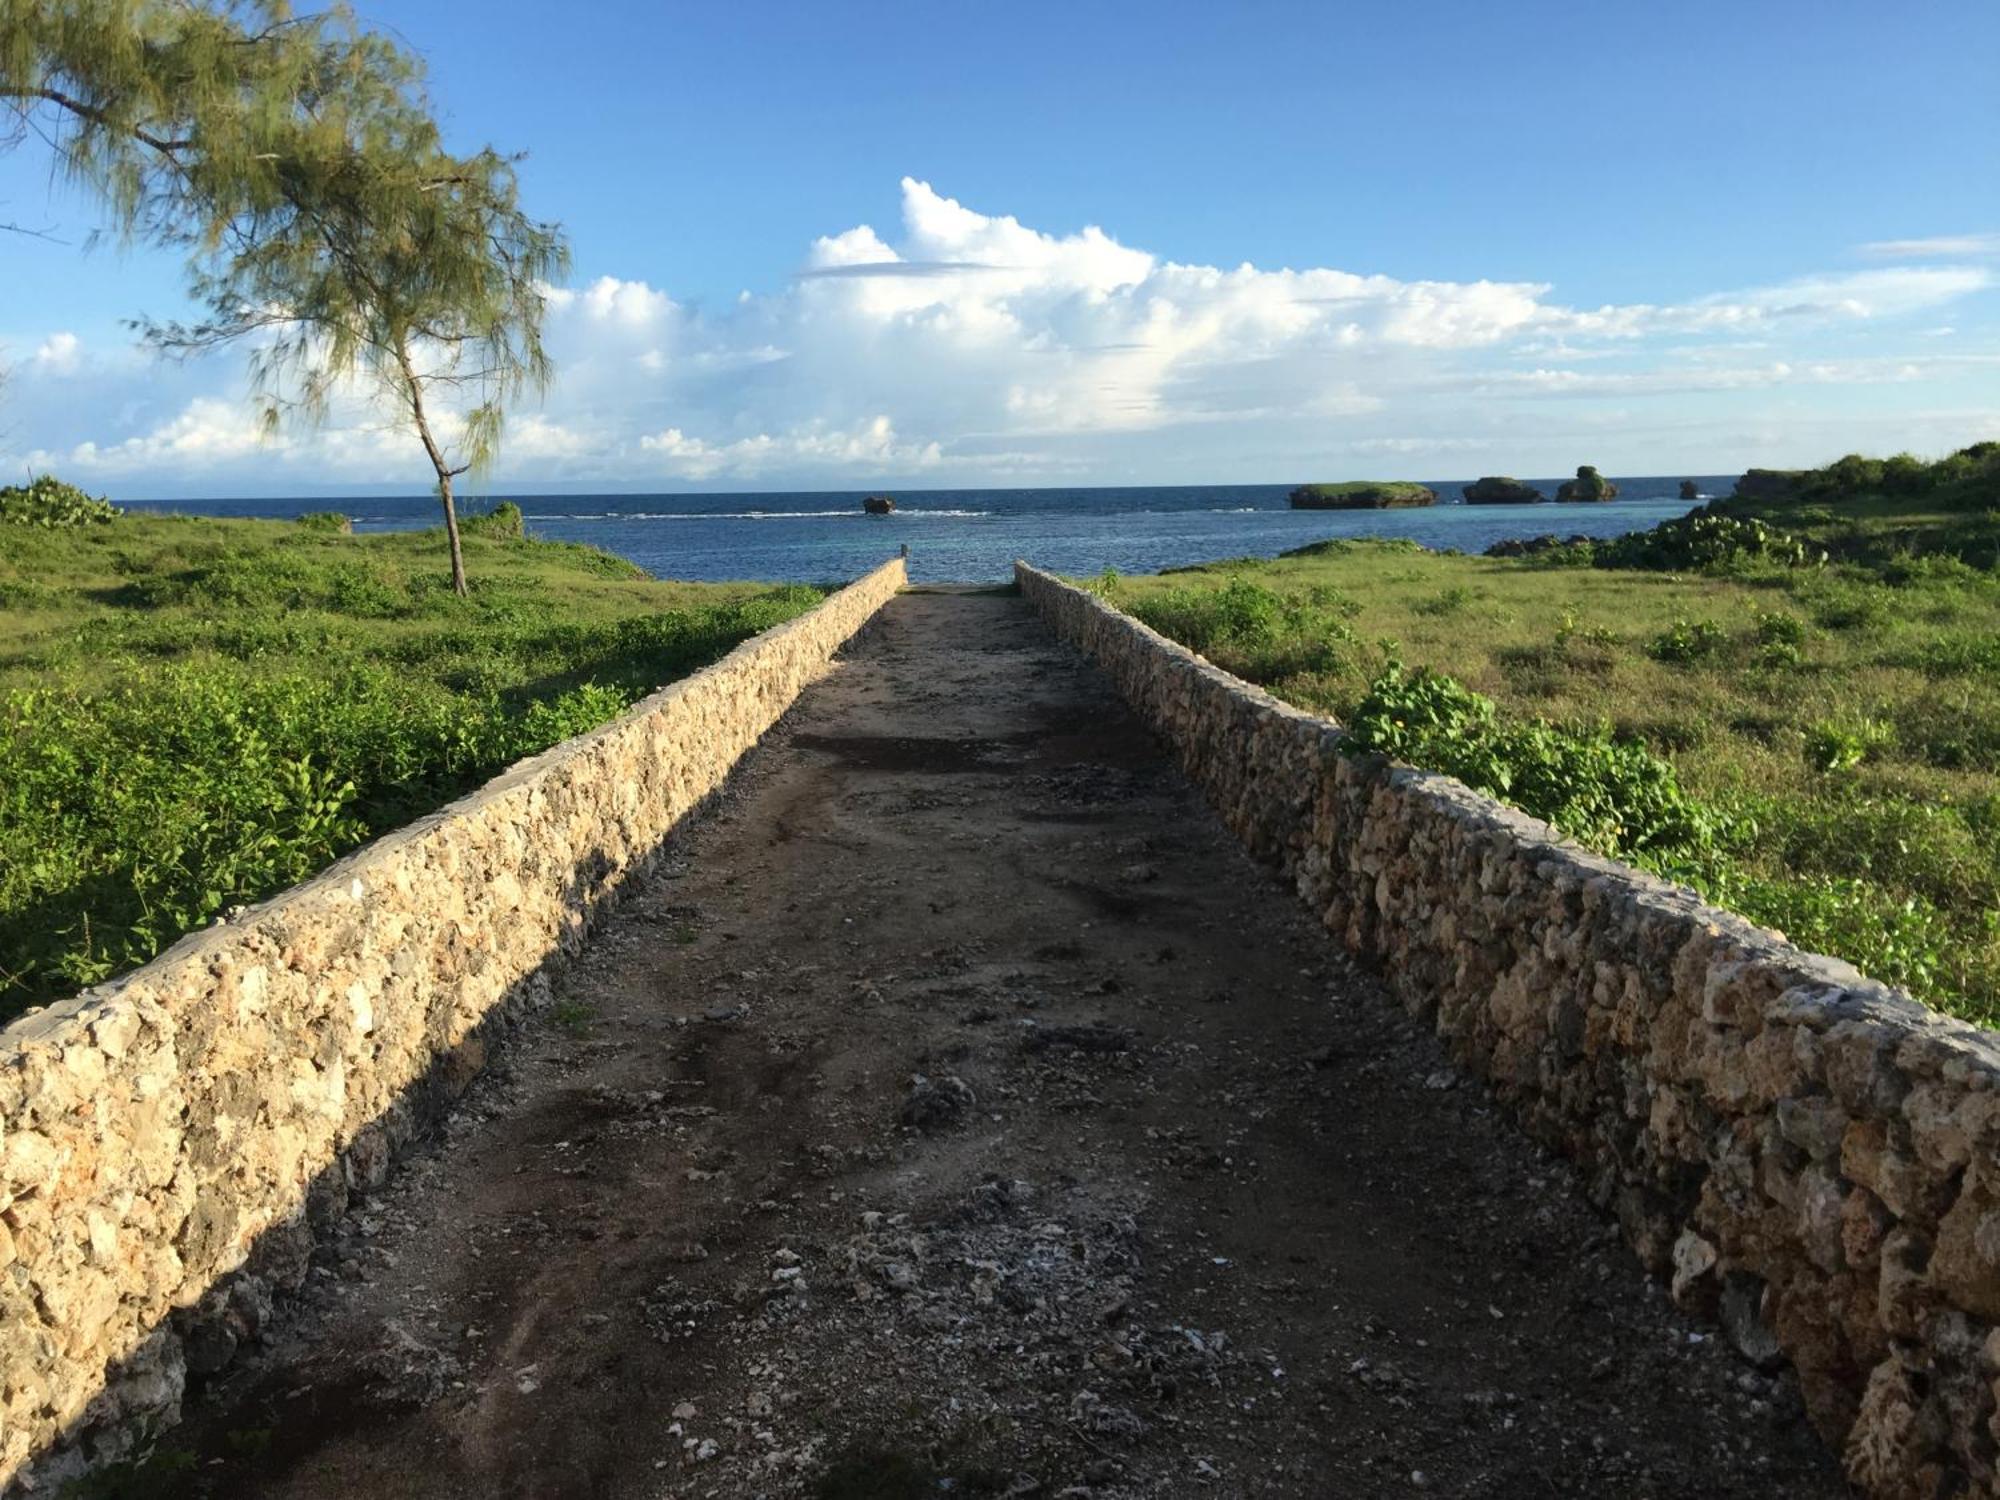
195 714
1815 744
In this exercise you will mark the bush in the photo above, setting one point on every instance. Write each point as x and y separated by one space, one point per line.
1614 795
327 520
1705 540
1689 641
1832 746
46 501
1776 628
503 523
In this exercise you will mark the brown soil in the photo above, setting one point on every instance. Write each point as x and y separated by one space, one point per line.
1181 1205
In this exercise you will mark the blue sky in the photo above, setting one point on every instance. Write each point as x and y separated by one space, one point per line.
1162 243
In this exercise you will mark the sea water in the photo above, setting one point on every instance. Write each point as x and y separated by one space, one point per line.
975 535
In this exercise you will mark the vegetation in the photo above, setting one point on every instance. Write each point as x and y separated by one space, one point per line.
46 501
296 161
1362 494
1801 720
1588 485
1501 489
1893 515
195 714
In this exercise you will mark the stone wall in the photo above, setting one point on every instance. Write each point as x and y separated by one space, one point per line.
170 1141
1812 1159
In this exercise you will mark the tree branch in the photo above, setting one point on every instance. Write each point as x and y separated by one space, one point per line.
97 116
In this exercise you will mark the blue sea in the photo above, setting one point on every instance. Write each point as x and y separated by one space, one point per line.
975 535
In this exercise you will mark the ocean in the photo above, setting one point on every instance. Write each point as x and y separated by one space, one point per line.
975 535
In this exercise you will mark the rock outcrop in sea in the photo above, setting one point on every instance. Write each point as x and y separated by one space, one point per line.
1499 490
1364 494
1588 485
1689 490
878 505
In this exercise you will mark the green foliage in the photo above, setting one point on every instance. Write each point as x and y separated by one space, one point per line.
1256 631
1832 746
1361 494
502 523
1446 602
255 700
331 521
46 501
1689 641
1836 733
1704 541
1612 794
1890 515
1776 628
296 161
1960 655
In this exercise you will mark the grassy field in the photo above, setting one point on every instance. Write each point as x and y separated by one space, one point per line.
198 713
1811 739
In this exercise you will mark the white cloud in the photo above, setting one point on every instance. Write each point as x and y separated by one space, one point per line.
968 345
872 445
209 432
1937 247
59 354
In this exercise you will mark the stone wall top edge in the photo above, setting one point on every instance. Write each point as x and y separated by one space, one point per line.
1247 692
1829 988
51 1023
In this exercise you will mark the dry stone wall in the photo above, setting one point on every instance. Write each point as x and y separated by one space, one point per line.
169 1142
1812 1159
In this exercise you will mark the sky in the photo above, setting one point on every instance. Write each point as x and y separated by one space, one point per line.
849 245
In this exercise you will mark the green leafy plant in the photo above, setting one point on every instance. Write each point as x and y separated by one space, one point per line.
1687 642
502 523
1834 746
1612 794
46 501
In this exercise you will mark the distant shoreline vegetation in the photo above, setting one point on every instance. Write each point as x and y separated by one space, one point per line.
197 713
1789 698
1362 494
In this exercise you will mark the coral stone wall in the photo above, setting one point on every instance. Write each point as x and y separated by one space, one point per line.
1812 1158
169 1141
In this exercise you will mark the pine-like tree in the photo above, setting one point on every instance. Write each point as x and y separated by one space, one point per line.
296 161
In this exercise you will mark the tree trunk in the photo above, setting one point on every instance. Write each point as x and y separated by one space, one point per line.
413 388
458 584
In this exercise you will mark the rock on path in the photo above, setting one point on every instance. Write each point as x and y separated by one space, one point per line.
960 1111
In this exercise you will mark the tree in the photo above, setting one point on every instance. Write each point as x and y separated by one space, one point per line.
297 163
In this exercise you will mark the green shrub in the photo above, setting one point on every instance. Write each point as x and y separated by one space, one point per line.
1833 746
1954 729
1689 641
503 523
1446 602
1958 656
46 501
328 521
1776 628
1612 794
1705 540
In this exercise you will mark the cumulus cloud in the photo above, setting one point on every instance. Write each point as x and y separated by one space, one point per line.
872 446
59 354
210 431
962 345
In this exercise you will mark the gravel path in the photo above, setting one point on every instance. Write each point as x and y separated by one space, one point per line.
960 1112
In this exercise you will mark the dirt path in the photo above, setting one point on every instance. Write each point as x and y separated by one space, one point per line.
1181 1206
